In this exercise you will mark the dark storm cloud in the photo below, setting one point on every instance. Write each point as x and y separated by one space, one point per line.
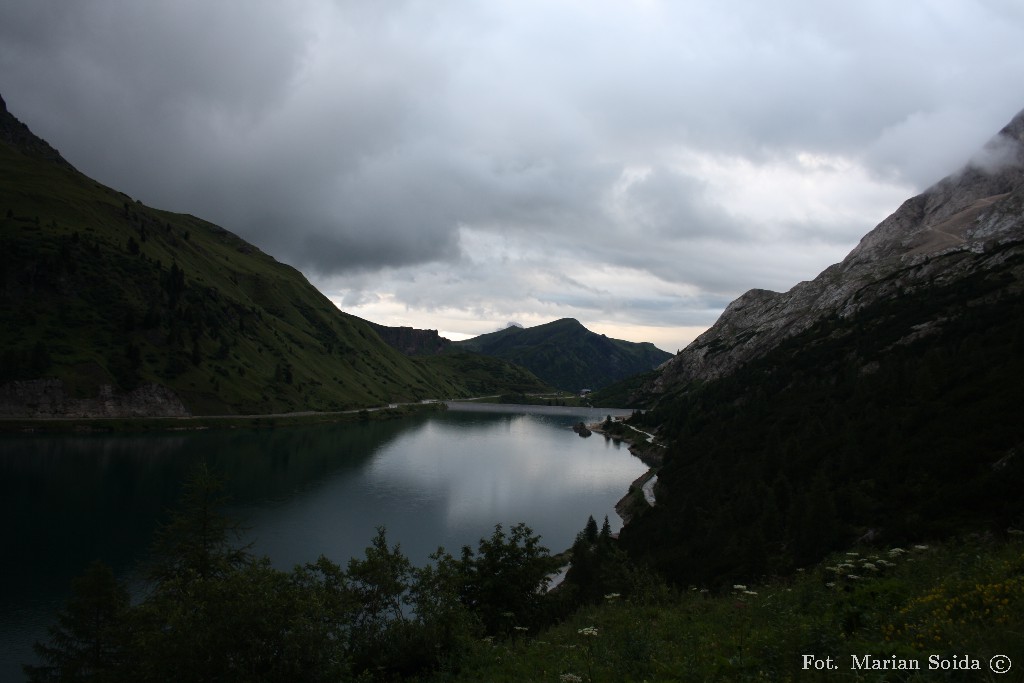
418 150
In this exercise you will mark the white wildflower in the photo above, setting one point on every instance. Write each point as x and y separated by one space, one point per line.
588 631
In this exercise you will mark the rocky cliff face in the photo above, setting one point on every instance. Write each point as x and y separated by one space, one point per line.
412 342
47 398
960 225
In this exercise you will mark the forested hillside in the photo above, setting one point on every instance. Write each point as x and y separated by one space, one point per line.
902 422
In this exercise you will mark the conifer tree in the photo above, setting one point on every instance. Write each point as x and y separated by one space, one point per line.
198 543
88 642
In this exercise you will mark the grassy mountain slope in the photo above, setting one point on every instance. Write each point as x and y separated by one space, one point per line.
901 422
481 375
567 355
97 289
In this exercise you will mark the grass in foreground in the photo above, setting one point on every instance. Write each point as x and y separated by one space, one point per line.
948 609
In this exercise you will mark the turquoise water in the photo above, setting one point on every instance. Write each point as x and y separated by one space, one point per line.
439 479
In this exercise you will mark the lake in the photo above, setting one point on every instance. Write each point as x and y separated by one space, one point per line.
442 478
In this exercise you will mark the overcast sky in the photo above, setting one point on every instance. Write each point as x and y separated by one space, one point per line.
457 165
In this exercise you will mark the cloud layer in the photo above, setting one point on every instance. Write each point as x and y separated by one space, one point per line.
456 165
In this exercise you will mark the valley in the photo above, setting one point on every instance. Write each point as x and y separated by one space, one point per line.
870 409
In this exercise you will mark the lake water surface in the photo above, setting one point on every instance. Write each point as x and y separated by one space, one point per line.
442 478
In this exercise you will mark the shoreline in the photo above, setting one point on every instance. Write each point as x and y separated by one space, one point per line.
104 425
640 495
109 424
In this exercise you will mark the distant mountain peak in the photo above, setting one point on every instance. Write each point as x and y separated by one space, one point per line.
567 355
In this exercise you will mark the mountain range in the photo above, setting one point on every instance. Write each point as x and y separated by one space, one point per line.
562 353
109 307
880 401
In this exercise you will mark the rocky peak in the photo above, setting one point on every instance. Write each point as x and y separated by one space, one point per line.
945 232
17 134
944 216
1014 130
411 341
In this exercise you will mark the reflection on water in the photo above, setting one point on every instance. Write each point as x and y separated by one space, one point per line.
440 479
493 477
